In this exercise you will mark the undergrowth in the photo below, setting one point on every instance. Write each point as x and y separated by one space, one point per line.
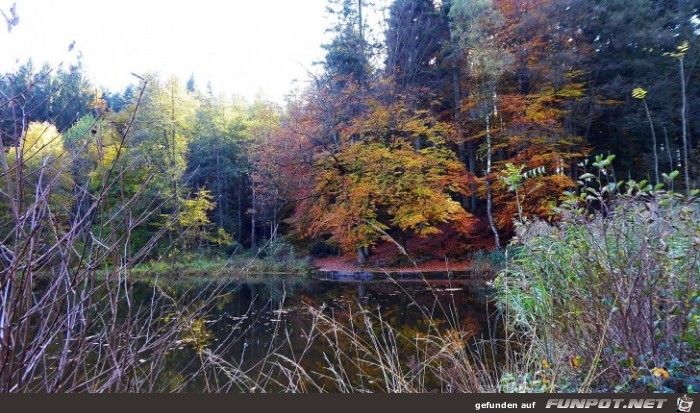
606 299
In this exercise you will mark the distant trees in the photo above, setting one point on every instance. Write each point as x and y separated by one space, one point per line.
201 165
62 96
216 158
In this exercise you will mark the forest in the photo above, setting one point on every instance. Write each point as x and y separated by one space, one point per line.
445 106
564 134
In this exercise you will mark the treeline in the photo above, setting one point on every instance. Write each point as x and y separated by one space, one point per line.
181 163
457 115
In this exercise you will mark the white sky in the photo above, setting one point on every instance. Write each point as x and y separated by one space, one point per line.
241 46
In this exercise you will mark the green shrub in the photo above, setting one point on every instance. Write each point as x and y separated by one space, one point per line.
607 298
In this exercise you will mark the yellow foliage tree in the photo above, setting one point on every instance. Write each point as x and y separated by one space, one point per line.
43 166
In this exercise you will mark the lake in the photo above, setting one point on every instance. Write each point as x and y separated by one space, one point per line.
278 334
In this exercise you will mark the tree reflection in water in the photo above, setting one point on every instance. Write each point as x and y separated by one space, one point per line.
340 336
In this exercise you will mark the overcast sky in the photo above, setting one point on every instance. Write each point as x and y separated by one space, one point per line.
240 46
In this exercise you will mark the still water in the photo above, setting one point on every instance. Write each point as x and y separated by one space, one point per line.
264 330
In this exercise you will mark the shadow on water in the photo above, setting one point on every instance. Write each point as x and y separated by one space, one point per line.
253 321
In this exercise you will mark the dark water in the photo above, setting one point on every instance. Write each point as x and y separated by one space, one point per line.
255 327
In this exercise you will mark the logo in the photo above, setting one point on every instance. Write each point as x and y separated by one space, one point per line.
684 403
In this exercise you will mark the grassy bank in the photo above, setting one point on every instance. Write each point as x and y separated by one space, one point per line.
214 269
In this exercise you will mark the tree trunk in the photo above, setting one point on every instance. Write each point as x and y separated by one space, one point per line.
173 165
686 160
252 218
466 149
240 209
361 31
361 256
489 203
653 139
471 153
219 197
273 224
668 151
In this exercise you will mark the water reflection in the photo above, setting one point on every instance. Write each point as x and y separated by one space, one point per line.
288 322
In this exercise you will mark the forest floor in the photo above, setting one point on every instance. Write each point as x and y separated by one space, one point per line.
348 263
443 252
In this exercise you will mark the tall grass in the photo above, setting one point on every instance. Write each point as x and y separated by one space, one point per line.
607 298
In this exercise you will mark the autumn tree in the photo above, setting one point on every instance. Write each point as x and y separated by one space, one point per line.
524 105
195 220
38 169
380 185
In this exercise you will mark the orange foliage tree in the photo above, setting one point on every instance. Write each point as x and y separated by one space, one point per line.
394 176
533 136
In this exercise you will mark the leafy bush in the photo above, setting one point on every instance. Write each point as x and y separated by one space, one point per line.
607 298
278 249
492 261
